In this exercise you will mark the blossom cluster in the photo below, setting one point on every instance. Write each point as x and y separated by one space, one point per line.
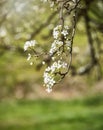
29 44
59 30
53 73
58 33
50 73
56 52
55 46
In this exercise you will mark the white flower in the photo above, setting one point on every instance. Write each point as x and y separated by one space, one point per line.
64 65
55 34
48 80
64 32
48 69
57 31
49 73
29 44
55 45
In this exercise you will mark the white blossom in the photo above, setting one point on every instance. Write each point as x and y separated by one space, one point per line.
56 34
57 31
55 66
29 44
48 80
50 71
55 45
65 33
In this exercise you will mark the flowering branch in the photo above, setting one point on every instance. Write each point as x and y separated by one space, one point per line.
61 47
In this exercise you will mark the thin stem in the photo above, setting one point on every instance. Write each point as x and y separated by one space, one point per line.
61 14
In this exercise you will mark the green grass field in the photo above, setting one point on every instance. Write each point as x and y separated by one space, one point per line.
44 114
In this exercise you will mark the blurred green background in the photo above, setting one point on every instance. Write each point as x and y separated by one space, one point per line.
77 102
